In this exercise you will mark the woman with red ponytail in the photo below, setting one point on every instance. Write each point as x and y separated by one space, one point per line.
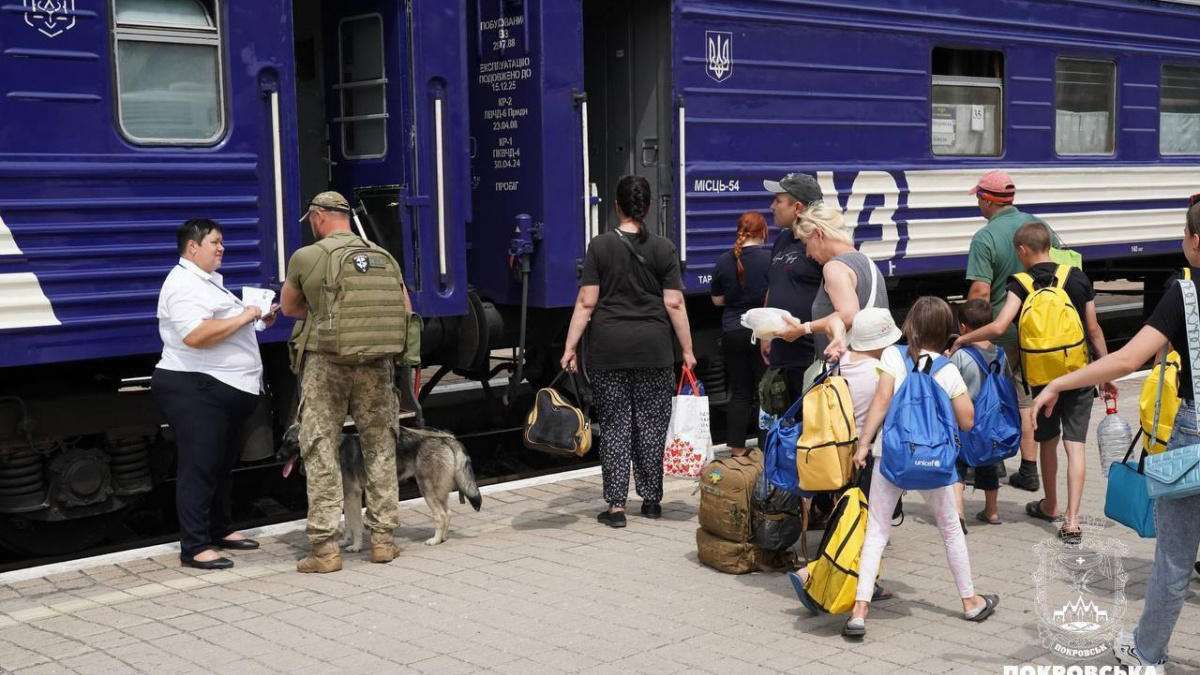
739 283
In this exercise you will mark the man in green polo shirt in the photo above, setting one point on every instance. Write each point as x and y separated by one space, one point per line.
991 261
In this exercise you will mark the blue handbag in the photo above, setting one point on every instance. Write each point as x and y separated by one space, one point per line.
1126 500
779 456
1175 474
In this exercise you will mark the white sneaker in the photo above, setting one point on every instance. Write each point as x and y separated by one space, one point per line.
1127 655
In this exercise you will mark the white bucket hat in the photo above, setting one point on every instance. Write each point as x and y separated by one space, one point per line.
873 329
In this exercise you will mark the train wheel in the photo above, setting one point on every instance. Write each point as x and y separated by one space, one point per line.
53 538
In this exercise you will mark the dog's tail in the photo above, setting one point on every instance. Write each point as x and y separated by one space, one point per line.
464 479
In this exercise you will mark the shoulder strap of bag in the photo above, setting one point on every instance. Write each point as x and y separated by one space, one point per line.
874 272
645 264
978 358
1060 276
1191 315
1025 280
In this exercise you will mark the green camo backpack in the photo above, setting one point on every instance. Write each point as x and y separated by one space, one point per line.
361 314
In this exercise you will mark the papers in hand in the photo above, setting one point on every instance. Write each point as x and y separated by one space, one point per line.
261 298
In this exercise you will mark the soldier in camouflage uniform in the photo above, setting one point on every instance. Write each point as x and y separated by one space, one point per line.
331 384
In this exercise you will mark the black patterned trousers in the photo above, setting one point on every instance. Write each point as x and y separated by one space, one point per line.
634 409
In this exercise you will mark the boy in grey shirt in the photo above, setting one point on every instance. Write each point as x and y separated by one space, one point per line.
972 314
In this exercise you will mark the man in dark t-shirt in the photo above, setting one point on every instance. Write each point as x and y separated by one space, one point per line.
794 278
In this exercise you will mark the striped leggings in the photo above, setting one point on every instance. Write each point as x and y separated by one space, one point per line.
881 503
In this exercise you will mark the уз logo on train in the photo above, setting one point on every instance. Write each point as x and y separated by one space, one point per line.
51 17
719 64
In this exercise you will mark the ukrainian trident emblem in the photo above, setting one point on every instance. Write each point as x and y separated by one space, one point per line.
719 64
50 17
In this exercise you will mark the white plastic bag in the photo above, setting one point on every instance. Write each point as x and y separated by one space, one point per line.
688 446
766 322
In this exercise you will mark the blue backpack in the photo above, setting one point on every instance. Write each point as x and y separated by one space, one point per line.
996 435
920 433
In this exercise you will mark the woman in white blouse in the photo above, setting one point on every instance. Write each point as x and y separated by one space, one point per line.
206 385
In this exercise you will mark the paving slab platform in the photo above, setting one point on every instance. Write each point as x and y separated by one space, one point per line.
532 584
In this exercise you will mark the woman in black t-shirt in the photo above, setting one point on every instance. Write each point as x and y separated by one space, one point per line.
1177 521
739 284
632 295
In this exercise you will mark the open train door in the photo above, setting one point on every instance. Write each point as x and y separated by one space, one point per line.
389 131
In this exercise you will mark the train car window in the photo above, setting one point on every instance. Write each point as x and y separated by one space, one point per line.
169 74
1085 106
362 87
1179 110
967 117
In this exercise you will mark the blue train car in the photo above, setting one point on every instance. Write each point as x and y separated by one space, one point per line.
120 119
896 106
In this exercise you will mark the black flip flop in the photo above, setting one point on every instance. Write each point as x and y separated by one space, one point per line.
982 517
1034 510
989 608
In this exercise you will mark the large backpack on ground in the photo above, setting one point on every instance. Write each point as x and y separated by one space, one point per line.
1049 331
920 433
828 435
361 314
996 435
725 538
833 575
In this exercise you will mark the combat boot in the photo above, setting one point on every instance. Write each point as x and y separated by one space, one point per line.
325 557
383 547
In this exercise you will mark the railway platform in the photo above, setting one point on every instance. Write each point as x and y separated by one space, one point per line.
533 584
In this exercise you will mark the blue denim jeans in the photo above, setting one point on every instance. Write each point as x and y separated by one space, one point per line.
1177 522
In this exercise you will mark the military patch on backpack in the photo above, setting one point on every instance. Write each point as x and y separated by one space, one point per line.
362 263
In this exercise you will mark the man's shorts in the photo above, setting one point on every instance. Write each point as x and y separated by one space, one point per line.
1013 355
1070 416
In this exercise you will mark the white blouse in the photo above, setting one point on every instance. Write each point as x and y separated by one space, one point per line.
189 296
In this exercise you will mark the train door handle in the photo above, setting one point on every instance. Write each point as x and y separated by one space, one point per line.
650 151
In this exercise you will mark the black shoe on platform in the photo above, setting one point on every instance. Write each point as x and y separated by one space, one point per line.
237 544
218 564
1025 481
612 519
652 510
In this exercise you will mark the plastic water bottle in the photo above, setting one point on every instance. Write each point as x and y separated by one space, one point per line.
1115 436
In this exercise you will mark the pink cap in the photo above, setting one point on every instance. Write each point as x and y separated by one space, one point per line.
996 186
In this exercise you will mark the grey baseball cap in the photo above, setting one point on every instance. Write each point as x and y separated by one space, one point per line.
799 185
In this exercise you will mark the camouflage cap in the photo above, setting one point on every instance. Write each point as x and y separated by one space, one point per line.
327 201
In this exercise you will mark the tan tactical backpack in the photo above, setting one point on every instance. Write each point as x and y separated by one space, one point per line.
361 313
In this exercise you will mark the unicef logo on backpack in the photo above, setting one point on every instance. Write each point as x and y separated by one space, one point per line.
1080 599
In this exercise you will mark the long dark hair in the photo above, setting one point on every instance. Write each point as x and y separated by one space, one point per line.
751 225
633 196
928 325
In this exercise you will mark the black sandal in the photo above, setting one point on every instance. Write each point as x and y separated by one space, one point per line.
1034 510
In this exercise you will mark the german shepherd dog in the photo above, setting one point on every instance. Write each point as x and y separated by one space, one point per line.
435 458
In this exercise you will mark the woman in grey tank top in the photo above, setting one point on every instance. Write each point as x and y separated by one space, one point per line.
850 280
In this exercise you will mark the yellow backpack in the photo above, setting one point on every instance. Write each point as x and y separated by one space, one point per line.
833 576
828 437
1154 440
1049 331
